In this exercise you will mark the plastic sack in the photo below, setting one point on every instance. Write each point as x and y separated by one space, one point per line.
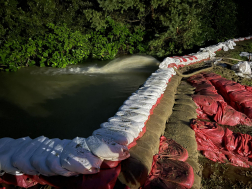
226 115
120 137
246 54
38 159
242 67
106 148
53 159
134 109
168 148
77 157
207 103
9 147
142 98
133 128
105 179
18 180
137 117
21 158
175 171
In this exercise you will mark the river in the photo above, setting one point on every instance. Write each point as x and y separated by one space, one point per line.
65 103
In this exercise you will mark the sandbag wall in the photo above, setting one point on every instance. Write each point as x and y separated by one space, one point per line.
108 145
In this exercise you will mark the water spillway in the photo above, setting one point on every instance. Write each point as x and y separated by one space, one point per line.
69 102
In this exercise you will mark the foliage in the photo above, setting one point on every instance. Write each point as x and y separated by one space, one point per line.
58 33
117 36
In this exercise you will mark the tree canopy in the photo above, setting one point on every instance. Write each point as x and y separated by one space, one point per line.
61 32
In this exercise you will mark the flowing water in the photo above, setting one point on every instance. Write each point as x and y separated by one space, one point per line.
70 102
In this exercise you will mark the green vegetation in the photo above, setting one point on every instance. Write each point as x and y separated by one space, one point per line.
59 33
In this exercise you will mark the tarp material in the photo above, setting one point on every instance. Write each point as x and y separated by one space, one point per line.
168 167
18 180
221 145
214 105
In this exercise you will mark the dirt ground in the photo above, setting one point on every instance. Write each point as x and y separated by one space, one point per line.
218 175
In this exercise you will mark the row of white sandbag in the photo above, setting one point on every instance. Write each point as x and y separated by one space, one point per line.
58 157
204 53
129 121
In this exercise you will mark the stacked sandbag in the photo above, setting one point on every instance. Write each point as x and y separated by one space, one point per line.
221 145
212 105
236 95
169 169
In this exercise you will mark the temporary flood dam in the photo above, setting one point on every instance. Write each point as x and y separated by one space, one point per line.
108 144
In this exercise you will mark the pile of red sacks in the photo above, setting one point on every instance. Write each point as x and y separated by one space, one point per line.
169 169
222 100
222 145
105 179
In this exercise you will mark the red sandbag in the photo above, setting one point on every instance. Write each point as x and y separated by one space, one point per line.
170 149
157 183
176 171
240 96
234 148
218 83
206 103
215 156
106 164
205 86
240 143
233 87
105 179
248 112
226 115
248 88
18 180
211 129
210 76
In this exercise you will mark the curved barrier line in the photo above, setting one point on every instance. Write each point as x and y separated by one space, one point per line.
108 145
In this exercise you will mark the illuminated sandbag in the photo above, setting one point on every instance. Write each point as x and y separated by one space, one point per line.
77 157
8 148
21 158
120 137
106 148
53 159
38 159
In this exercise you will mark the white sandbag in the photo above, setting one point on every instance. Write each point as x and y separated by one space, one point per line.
242 67
120 137
144 95
136 117
142 98
246 54
131 127
77 157
53 159
106 148
21 158
140 104
134 109
38 159
156 85
8 147
134 101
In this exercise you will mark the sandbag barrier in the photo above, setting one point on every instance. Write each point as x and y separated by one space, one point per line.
222 145
215 106
178 128
169 169
109 144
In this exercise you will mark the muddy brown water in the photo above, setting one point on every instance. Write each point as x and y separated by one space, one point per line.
65 103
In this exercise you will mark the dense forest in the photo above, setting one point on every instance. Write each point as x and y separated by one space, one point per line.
61 32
